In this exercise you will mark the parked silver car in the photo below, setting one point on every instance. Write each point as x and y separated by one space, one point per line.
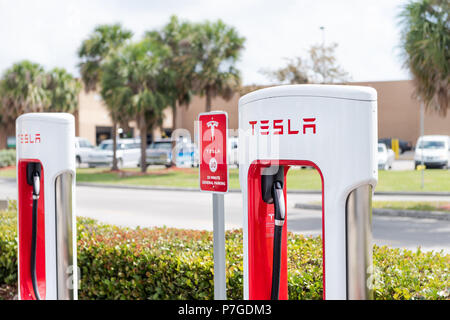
83 148
128 154
160 153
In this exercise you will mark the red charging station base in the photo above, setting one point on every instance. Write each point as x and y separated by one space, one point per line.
25 210
261 232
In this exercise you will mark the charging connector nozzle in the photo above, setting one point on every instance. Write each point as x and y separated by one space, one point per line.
36 185
34 178
278 201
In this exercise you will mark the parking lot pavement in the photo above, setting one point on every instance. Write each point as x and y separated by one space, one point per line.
407 155
405 161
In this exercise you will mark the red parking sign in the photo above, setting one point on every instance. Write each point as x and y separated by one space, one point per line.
213 151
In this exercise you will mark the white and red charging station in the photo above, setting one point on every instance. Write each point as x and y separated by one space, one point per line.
46 216
334 130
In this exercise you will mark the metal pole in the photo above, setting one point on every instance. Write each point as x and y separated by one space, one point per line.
220 289
322 28
422 130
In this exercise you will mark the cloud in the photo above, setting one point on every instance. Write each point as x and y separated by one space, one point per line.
50 31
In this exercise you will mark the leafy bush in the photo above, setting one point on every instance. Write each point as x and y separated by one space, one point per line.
163 263
7 158
8 247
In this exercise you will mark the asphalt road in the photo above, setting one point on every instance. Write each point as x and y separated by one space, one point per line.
193 210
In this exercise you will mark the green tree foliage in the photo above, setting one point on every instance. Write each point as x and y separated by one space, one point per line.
99 44
425 43
179 62
320 67
23 89
27 87
217 49
64 90
133 76
102 42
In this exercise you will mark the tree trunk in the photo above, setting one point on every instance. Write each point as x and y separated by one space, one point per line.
174 116
208 100
114 133
143 131
7 129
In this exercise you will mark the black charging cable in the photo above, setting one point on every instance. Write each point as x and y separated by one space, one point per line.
280 217
34 179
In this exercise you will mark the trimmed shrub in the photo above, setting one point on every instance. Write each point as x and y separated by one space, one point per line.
7 158
164 263
8 247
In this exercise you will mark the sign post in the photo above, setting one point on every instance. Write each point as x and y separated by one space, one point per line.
213 166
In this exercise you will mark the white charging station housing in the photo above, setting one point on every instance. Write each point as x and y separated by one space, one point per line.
50 139
333 128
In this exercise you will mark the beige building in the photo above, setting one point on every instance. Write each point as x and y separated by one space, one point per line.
398 112
398 115
93 121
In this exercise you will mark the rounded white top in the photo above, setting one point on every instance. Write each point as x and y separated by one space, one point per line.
312 90
58 117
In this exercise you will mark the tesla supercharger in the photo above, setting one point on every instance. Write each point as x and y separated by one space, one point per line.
46 218
334 130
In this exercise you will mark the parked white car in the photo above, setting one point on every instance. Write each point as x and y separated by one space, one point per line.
386 157
128 154
433 150
83 148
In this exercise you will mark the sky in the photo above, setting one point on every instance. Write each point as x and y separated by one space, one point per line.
49 32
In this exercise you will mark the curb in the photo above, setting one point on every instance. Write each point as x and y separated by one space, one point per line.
437 215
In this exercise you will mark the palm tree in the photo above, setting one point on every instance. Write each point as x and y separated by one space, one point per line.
217 48
425 44
103 41
63 90
180 61
135 73
100 43
23 89
26 87
116 97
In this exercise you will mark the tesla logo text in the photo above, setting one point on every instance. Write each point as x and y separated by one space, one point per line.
212 125
281 127
26 138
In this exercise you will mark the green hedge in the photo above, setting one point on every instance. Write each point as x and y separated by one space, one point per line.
7 158
162 263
